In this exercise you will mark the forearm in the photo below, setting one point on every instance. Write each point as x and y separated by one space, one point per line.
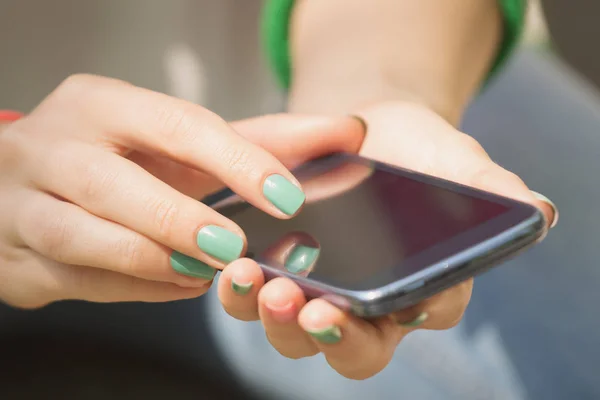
350 53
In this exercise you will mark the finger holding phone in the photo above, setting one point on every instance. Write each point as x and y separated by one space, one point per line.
100 189
298 311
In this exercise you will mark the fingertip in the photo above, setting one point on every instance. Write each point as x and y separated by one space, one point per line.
548 207
322 321
221 242
240 278
359 126
281 299
280 291
285 194
238 287
319 314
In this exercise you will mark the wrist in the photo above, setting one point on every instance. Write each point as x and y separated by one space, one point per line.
328 96
346 55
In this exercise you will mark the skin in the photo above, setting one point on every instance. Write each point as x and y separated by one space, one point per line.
99 184
411 91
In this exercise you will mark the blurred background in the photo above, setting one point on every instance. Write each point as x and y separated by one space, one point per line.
540 118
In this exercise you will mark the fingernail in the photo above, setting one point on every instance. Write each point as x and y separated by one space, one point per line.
241 288
220 243
283 314
284 195
546 200
301 258
329 335
417 321
362 122
191 267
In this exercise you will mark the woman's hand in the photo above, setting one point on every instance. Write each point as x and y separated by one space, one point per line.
99 189
402 134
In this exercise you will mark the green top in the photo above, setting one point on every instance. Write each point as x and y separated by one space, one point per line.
275 32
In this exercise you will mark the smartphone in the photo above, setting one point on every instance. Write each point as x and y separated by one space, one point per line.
373 239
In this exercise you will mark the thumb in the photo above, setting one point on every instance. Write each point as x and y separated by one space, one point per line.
294 139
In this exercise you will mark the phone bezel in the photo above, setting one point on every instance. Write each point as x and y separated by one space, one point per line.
442 265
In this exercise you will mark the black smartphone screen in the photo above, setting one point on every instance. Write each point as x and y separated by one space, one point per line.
364 224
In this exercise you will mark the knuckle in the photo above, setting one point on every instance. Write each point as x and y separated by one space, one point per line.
178 124
470 143
13 147
79 88
57 156
483 176
49 233
56 160
512 177
55 235
131 252
135 285
165 215
491 176
238 159
99 181
81 285
75 86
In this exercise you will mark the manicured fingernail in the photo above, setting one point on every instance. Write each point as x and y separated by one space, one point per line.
417 321
551 204
220 243
329 335
301 258
241 288
191 267
362 122
284 195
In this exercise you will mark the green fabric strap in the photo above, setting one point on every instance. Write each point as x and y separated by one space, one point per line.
275 34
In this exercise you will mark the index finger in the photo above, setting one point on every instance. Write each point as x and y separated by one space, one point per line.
125 117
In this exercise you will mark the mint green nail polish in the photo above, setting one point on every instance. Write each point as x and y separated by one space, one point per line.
220 243
330 335
241 288
191 267
417 321
301 258
284 195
